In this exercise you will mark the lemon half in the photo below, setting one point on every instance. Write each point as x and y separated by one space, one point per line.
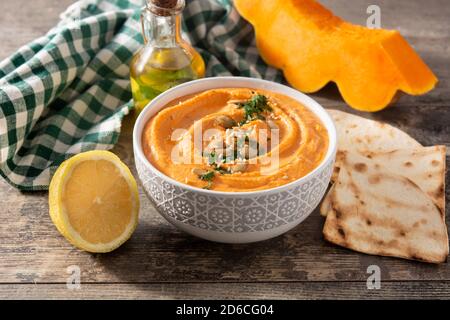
94 201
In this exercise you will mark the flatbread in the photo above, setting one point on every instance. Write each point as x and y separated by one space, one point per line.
425 166
362 135
383 213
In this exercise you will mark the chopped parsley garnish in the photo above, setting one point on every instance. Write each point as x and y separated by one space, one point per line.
209 176
216 161
254 108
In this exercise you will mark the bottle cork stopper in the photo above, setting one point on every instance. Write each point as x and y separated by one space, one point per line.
163 7
165 4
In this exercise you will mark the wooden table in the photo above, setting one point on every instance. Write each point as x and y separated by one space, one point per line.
162 262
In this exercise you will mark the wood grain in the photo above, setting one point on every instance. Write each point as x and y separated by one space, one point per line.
23 21
224 291
162 262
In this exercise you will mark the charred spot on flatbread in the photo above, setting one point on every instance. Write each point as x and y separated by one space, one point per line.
398 218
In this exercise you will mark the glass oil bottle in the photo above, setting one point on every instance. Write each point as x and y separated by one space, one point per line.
166 60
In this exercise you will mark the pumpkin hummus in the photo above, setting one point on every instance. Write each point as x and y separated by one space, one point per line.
235 140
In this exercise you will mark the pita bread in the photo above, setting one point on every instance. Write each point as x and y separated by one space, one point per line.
361 135
425 166
378 212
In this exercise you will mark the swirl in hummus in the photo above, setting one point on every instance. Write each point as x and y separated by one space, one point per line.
235 140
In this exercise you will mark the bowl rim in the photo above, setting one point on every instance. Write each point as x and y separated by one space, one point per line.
217 83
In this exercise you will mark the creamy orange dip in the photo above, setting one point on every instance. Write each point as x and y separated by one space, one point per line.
279 143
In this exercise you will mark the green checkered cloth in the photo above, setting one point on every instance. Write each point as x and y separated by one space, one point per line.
68 91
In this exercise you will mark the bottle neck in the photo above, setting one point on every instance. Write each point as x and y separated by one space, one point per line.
165 31
162 26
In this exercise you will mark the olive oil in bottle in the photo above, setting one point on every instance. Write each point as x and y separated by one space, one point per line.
166 60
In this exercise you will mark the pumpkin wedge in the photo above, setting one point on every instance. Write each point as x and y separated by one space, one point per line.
313 47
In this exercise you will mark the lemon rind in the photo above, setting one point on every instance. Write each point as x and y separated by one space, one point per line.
57 208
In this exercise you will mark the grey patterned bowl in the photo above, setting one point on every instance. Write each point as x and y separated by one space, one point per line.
233 217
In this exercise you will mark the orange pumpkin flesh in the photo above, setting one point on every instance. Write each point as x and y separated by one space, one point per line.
313 47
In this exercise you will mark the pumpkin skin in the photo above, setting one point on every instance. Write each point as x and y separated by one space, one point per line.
313 47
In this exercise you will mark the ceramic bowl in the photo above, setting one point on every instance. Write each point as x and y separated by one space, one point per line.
233 217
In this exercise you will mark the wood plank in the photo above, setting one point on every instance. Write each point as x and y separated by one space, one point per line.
33 251
224 291
23 21
426 32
